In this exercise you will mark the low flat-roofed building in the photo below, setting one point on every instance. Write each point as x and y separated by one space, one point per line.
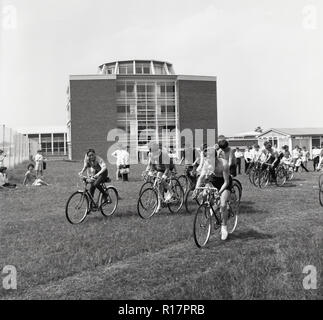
303 137
52 140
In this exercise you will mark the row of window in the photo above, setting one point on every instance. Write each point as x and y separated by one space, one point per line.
140 68
160 109
126 88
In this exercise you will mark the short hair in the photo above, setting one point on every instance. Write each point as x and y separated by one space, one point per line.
223 144
90 151
30 165
39 150
3 169
1 151
257 146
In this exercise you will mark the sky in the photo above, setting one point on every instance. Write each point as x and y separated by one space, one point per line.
267 55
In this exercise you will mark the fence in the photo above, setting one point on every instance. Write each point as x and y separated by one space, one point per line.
16 147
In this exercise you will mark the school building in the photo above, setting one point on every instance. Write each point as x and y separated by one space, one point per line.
145 100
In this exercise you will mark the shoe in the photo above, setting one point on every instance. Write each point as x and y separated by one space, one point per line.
224 232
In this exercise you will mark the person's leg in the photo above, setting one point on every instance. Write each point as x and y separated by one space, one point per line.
304 167
117 173
224 213
246 165
315 162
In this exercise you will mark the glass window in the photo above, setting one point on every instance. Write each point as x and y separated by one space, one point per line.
122 69
316 142
171 109
121 89
121 109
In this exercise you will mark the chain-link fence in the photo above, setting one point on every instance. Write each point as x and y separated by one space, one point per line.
16 147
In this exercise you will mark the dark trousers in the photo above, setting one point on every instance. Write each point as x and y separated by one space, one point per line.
302 165
97 183
246 165
316 161
239 165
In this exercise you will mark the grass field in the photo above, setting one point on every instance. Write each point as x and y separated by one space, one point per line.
280 231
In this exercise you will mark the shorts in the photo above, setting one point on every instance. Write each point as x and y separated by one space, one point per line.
218 182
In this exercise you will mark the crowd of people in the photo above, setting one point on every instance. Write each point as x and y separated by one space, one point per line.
298 157
32 177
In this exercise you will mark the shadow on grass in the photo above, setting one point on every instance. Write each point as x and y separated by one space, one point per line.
249 235
247 207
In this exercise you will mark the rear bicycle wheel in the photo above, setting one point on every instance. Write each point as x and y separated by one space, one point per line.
77 207
202 225
321 189
233 212
183 181
255 177
236 186
147 203
109 203
177 200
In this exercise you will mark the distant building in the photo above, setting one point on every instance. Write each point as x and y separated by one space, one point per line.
145 99
243 140
51 140
303 137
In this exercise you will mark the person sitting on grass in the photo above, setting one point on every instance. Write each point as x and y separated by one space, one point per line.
31 178
2 156
4 183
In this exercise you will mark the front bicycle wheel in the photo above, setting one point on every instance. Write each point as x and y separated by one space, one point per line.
263 179
147 203
255 177
191 205
321 189
177 199
77 207
281 177
202 225
146 185
109 202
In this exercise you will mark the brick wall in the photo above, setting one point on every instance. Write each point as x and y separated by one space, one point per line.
198 106
93 114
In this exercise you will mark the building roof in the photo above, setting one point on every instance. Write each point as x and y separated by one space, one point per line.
246 134
296 131
43 129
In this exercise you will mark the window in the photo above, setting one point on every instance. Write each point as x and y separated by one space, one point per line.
142 68
121 89
123 109
316 142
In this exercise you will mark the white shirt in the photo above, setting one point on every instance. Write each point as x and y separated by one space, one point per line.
3 179
39 157
2 160
238 154
316 152
248 154
122 157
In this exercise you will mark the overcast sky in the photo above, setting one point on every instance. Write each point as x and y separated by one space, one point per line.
267 55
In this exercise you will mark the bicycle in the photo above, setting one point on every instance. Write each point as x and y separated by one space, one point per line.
266 176
321 189
149 177
81 203
153 197
209 210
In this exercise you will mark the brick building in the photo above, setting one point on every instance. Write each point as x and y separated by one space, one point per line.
143 98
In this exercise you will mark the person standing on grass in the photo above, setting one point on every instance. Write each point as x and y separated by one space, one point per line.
39 159
316 157
239 155
247 158
305 155
2 157
4 183
118 155
319 166
31 179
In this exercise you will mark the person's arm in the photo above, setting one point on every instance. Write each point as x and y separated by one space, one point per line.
226 176
103 168
84 166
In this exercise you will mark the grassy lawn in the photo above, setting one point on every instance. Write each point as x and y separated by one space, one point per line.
280 231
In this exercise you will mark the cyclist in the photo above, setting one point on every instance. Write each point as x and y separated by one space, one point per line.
217 171
159 160
271 158
98 171
226 153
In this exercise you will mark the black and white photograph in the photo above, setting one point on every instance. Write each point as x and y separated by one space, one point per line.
161 151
